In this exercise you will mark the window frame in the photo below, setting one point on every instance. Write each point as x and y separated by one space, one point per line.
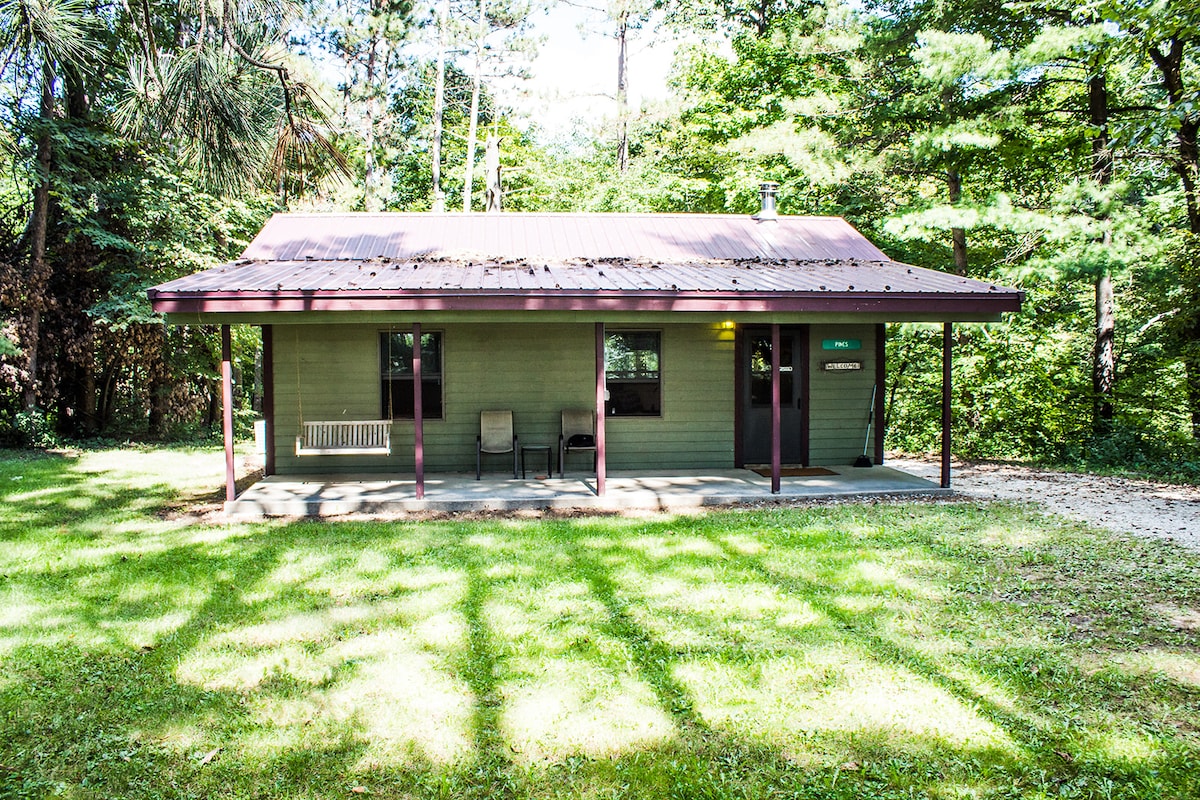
610 410
386 394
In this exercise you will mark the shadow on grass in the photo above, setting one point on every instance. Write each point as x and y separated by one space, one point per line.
861 629
654 661
480 668
731 655
80 491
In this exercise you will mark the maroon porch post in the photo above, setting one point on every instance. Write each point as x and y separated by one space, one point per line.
227 411
805 394
947 339
880 387
739 386
268 397
601 369
418 413
776 427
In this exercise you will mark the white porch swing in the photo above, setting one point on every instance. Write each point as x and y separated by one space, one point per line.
370 437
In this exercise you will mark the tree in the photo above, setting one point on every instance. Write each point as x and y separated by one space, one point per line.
1170 31
95 98
40 39
498 37
219 89
978 136
365 38
439 108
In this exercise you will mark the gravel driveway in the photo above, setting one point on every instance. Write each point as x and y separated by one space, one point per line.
1125 505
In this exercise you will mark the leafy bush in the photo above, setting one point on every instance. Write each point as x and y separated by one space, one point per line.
1130 449
33 429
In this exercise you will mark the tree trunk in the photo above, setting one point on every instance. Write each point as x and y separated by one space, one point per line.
256 393
1187 161
212 415
370 177
622 93
473 125
1187 166
87 399
491 166
108 393
76 394
439 110
66 398
159 385
1192 361
1188 331
958 236
78 101
1104 363
39 271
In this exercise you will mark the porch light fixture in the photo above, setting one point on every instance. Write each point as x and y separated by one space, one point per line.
728 324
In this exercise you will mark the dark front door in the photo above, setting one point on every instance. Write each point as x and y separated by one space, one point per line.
756 396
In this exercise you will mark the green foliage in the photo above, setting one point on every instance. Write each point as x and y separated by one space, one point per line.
925 122
129 120
1137 450
203 86
1022 389
31 429
1015 393
129 220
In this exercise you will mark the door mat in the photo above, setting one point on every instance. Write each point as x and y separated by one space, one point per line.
794 472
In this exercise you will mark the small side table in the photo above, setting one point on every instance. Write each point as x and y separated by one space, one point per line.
527 448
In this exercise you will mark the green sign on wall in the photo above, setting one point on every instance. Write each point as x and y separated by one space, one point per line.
841 344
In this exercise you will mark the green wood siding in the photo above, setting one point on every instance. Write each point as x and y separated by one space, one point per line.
534 369
327 373
840 401
695 430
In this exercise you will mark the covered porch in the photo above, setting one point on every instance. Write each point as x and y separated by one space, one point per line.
334 495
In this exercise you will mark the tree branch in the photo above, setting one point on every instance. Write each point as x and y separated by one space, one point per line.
278 69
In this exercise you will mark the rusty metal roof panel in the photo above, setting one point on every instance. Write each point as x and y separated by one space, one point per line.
666 237
376 275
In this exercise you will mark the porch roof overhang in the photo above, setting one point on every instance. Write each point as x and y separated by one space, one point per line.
829 286
902 306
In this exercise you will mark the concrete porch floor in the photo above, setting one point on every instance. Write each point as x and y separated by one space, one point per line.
334 495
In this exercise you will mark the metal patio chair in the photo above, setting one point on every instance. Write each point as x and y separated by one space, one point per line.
578 433
495 438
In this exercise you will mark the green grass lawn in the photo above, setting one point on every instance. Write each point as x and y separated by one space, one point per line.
851 651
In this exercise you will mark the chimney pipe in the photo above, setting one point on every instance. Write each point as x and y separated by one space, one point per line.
766 197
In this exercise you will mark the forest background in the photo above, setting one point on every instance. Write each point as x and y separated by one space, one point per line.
1050 146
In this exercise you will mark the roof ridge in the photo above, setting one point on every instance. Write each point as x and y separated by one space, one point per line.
477 217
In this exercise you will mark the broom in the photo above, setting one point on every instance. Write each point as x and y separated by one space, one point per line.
864 460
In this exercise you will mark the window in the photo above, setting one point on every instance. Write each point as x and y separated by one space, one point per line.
396 368
760 371
634 381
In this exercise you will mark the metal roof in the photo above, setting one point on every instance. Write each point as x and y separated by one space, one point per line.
412 275
655 237
570 262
